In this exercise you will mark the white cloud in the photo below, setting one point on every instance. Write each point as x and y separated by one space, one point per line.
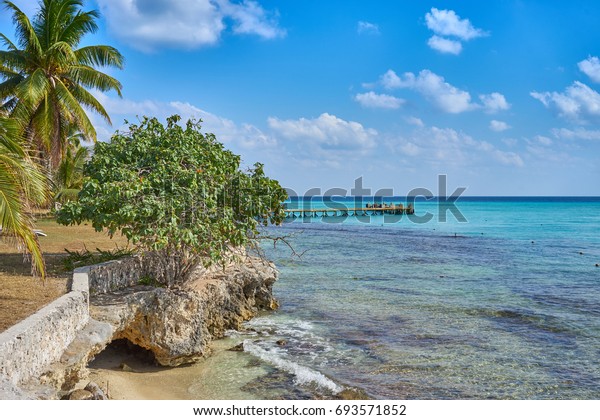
498 126
410 149
325 134
591 67
448 23
508 158
577 134
443 147
245 136
415 121
494 102
374 100
445 96
152 24
367 28
250 18
445 45
577 103
390 80
543 140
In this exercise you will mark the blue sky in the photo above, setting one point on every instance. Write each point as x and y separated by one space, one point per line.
501 96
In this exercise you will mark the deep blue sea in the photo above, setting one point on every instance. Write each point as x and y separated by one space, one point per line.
504 305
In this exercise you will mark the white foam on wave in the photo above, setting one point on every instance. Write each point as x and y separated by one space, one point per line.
303 375
293 328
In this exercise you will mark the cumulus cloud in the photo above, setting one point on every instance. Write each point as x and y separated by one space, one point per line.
576 134
390 80
446 23
245 136
543 140
374 100
326 133
367 28
578 102
591 67
498 126
410 149
445 45
508 158
445 96
415 121
494 102
151 24
446 146
442 94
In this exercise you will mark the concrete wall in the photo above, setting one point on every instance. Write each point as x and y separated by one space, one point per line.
29 347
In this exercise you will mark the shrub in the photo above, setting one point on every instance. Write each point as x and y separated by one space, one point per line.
177 194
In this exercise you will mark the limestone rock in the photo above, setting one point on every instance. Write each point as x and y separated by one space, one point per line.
239 347
177 325
126 368
81 394
97 392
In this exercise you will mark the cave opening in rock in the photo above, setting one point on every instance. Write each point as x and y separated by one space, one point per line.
123 355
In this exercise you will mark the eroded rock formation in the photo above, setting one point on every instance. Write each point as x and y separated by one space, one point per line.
178 325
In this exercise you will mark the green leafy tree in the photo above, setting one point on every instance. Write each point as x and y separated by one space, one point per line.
47 76
177 194
22 185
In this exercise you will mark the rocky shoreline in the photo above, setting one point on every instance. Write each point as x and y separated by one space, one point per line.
175 325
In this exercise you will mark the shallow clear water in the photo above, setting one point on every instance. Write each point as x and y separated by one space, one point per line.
506 305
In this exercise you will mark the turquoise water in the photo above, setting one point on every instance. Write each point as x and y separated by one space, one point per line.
506 305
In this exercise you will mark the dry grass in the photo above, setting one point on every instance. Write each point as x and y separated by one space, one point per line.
21 294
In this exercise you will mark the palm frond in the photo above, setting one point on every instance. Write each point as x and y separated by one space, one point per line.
21 183
100 55
80 25
10 136
94 79
25 31
88 100
8 42
70 103
62 54
33 88
15 61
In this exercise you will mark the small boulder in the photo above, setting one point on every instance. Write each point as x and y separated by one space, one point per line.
81 394
96 391
126 368
281 342
239 347
352 394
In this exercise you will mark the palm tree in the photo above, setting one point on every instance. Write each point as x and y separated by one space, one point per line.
47 77
22 185
68 178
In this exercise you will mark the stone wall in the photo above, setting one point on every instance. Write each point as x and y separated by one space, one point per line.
114 275
26 349
53 346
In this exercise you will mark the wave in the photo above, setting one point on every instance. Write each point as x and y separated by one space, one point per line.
302 374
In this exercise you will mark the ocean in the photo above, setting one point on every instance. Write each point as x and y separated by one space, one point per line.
504 305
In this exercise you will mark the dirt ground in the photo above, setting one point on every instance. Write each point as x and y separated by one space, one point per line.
21 294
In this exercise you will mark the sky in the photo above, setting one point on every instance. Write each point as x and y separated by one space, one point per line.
501 96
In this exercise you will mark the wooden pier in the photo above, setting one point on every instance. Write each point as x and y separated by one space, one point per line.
344 212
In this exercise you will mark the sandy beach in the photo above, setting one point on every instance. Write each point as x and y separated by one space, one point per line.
127 376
